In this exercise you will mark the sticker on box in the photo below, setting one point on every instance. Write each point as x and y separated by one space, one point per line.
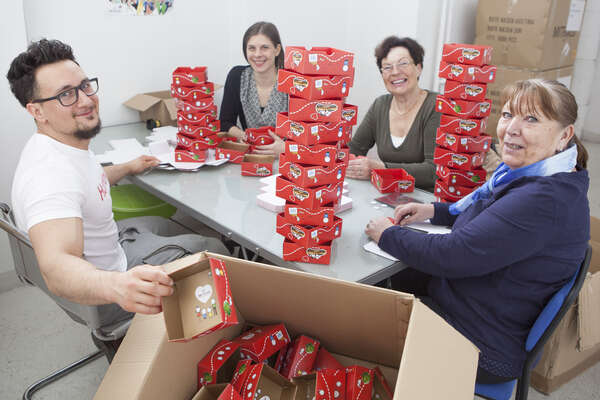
469 54
320 254
463 126
315 110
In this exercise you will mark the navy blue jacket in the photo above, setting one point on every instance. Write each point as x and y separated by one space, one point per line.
506 256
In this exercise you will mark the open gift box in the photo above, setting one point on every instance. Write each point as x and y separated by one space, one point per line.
320 216
194 118
451 192
469 178
221 391
205 105
234 152
264 383
311 175
465 91
467 73
463 108
197 143
311 133
259 136
183 154
359 383
321 385
469 54
218 365
314 87
318 154
389 180
463 126
257 165
316 254
199 131
319 61
189 76
308 197
300 358
315 110
457 160
262 343
463 143
308 236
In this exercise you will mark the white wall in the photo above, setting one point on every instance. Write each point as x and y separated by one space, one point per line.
591 127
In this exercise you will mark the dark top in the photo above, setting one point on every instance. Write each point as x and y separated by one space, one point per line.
231 105
506 256
415 154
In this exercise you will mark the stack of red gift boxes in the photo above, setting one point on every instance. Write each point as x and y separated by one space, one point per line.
196 114
317 127
461 144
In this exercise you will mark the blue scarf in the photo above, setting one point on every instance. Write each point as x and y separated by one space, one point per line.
564 161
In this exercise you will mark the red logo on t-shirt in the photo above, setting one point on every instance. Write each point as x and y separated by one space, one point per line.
103 187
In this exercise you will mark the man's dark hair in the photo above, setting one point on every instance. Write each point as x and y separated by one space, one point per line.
21 74
414 49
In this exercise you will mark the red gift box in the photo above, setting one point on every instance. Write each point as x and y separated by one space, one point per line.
257 165
381 387
188 76
300 357
259 136
185 155
311 175
469 178
199 131
311 133
321 216
326 361
359 383
389 180
462 126
319 154
463 144
343 154
465 91
322 385
199 106
319 61
192 94
469 54
307 235
314 87
451 192
456 160
264 383
315 110
217 366
349 114
241 373
194 118
196 144
261 342
467 73
308 197
320 254
234 152
463 108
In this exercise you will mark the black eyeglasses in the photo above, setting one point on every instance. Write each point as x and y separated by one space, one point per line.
70 96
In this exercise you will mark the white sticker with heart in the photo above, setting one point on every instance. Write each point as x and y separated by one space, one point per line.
204 293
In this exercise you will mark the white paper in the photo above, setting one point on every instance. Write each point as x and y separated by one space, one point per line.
372 247
428 228
575 15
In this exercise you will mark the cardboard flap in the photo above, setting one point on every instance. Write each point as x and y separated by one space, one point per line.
171 108
453 369
588 320
142 102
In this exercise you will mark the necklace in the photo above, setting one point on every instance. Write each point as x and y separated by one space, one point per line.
409 109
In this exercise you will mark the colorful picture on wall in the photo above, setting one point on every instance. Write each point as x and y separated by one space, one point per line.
139 7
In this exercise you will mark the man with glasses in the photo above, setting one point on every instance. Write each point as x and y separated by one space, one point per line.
61 195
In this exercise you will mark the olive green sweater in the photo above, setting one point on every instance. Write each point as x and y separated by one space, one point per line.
415 154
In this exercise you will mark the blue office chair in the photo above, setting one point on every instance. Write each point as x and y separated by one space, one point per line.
539 334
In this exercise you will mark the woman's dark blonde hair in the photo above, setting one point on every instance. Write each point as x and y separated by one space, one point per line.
549 98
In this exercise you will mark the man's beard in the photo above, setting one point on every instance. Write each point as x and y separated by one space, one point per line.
88 133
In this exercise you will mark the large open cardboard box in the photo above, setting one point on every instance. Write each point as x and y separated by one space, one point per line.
418 351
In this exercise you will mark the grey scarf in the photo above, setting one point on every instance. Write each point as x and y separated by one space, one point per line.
278 102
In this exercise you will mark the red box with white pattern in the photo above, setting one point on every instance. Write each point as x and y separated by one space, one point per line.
320 254
456 160
264 383
315 110
469 54
300 357
467 73
311 133
259 136
349 114
381 387
463 108
241 373
469 178
326 361
308 197
465 91
319 61
311 175
189 76
234 152
205 105
197 143
218 365
219 391
320 216
198 131
319 154
185 155
462 126
343 153
451 192
389 180
314 87
257 165
195 118
463 144
308 235
201 302
191 94
262 342
359 383
322 385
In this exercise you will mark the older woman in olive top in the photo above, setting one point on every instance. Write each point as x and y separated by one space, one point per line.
402 123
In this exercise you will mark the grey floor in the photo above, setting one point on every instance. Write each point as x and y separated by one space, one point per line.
37 337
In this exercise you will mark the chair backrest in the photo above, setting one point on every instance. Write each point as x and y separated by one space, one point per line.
28 271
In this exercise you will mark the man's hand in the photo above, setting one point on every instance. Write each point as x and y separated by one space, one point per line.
375 227
275 148
140 289
141 164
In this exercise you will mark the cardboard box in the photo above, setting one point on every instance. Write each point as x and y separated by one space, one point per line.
469 54
223 391
264 383
381 387
462 143
189 76
469 178
462 126
464 91
316 254
315 110
311 175
326 361
319 154
241 374
451 192
404 337
389 180
300 358
359 383
218 365
456 160
463 108
508 75
323 385
350 113
467 73
259 136
257 165
320 216
234 152
308 197
533 34
184 155
262 342
307 235
155 105
314 87
575 345
319 61
311 133
201 302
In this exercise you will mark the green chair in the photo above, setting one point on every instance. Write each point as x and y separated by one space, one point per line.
131 201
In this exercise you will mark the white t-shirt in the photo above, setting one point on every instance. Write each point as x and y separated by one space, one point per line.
54 180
